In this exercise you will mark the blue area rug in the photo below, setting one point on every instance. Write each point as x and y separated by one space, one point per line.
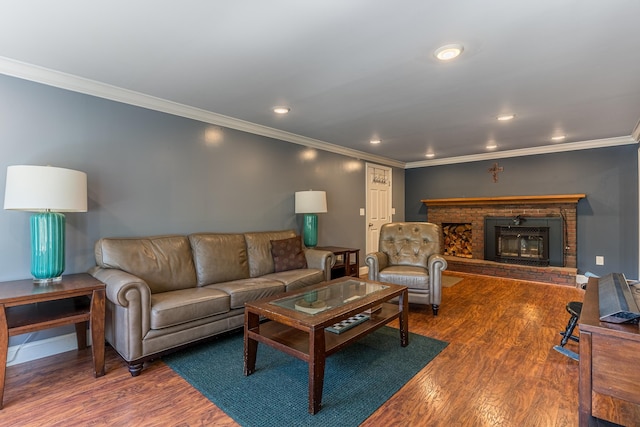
358 379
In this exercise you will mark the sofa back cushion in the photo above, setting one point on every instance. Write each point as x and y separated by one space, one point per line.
219 257
259 250
165 263
409 243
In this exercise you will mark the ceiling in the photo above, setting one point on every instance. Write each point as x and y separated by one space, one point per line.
352 70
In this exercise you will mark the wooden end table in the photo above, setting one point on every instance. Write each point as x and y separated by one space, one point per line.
28 307
347 261
304 335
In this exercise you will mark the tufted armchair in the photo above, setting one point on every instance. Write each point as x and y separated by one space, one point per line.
409 254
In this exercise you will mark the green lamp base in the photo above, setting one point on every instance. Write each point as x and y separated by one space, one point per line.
310 230
47 247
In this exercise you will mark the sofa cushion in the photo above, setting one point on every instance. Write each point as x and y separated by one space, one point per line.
185 305
259 250
287 254
296 279
247 290
165 263
219 257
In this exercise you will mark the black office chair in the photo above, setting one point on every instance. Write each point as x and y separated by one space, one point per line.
574 308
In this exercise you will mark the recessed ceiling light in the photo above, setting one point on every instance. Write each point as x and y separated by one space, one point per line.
430 155
491 146
448 52
375 141
558 137
506 117
281 110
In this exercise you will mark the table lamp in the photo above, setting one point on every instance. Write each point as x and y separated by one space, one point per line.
47 191
311 203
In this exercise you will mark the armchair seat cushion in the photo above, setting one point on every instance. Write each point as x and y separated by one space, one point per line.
185 305
410 276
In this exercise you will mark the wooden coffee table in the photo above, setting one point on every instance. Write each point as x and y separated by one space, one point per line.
297 323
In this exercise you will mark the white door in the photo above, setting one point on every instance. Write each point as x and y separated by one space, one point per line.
378 202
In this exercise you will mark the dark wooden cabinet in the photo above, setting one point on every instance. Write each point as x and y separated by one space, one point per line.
609 385
347 261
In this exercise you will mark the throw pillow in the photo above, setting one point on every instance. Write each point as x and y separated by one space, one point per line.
287 254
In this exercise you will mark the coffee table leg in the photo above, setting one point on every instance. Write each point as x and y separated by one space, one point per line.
404 318
316 369
251 321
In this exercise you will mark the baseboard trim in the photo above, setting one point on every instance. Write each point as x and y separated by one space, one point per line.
22 353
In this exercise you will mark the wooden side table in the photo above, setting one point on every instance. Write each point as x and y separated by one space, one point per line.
347 261
28 307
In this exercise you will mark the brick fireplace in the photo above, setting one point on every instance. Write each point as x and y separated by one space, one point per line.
474 211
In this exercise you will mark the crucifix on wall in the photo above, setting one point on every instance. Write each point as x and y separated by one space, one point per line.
495 169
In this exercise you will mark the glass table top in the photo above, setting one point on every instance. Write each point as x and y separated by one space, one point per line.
331 296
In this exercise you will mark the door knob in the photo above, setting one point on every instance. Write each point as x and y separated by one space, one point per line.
370 224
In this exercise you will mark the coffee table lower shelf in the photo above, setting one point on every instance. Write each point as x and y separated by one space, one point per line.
296 342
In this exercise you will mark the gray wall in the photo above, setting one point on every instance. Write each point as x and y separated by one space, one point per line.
607 217
152 173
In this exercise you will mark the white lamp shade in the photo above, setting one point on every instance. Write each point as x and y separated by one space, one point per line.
41 188
311 201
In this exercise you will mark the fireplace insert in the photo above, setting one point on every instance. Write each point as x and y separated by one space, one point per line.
551 246
522 245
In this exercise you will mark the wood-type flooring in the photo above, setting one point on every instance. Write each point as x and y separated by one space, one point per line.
498 370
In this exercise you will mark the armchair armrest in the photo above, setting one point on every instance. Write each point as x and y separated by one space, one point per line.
376 261
322 260
437 264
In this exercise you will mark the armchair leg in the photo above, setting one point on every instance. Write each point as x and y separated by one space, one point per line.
435 308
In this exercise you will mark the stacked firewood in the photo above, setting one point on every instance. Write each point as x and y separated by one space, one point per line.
457 240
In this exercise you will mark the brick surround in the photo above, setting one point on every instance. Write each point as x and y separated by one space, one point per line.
474 211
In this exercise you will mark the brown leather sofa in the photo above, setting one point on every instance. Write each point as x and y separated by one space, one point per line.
165 292
409 254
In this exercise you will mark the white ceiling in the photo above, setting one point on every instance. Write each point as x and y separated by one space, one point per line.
352 70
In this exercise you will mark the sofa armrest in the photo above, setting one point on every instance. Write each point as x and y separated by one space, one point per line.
130 293
322 260
437 264
376 261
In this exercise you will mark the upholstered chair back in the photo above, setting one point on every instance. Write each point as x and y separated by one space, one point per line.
409 243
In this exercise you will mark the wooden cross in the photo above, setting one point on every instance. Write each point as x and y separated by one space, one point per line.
495 169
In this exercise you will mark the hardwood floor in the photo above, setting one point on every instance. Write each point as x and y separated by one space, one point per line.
498 370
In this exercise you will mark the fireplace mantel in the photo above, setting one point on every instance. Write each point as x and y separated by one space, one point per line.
505 200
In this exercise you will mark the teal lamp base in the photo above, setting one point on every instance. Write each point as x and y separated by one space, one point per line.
47 247
310 230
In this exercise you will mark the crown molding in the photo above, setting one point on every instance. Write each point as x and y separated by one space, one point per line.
34 73
546 149
74 83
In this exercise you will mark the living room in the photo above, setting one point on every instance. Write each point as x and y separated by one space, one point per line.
150 172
